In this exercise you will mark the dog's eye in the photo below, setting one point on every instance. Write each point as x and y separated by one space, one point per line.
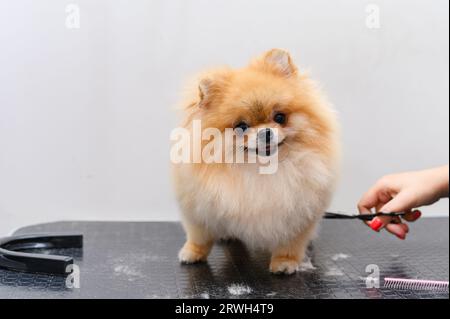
280 118
242 126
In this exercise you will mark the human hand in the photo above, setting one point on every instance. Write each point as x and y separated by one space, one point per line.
404 193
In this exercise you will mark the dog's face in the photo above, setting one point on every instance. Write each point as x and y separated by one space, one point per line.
269 104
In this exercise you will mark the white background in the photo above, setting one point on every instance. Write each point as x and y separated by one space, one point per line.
85 114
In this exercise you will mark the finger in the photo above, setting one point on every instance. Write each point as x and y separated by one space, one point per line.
369 200
398 221
378 223
403 202
412 216
365 211
381 222
406 213
404 226
397 230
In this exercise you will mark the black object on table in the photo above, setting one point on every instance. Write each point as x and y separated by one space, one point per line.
13 255
139 260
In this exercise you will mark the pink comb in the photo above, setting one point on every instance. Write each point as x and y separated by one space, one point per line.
414 284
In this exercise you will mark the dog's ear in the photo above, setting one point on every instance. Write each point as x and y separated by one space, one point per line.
205 91
212 85
279 62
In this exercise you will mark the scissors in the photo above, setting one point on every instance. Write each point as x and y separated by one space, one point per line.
364 217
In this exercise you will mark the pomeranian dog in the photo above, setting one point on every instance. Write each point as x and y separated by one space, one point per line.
272 102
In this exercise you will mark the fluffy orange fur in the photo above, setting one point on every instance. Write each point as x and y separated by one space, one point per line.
277 212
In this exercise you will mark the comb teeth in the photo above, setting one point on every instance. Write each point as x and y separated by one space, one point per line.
413 284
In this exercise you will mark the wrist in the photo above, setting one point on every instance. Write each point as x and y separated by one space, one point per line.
442 177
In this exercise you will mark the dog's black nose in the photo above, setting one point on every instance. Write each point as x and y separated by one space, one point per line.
265 135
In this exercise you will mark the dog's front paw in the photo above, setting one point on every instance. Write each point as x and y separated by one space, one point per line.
192 253
284 265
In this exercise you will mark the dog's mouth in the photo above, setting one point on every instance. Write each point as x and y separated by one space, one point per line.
268 150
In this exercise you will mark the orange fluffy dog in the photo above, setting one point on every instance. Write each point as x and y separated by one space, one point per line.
268 100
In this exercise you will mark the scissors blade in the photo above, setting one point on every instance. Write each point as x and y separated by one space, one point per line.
365 217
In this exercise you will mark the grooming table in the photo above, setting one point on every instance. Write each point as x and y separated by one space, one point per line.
139 260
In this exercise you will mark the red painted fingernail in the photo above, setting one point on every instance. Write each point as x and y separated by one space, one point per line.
402 237
376 224
417 215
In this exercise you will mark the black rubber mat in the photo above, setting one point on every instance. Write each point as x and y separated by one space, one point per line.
139 260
